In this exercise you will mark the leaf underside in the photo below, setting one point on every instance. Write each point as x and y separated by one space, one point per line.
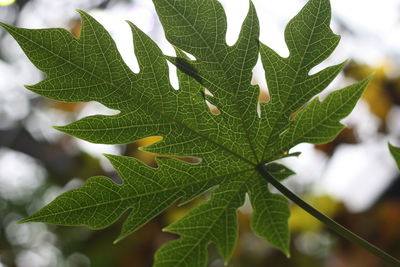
231 144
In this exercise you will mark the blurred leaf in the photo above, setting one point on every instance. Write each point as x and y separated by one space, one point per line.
75 27
68 107
347 136
301 221
383 91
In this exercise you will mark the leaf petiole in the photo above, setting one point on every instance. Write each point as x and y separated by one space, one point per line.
339 229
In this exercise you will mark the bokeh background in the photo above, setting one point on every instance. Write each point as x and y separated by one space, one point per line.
352 179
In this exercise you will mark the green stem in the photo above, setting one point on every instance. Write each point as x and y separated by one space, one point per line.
344 232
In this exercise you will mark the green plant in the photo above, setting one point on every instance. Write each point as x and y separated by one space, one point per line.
238 148
396 154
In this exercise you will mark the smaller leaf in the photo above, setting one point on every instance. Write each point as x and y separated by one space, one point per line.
395 153
278 171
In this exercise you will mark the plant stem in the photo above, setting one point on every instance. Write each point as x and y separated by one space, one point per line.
341 230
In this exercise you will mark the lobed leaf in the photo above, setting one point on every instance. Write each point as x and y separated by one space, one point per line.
231 145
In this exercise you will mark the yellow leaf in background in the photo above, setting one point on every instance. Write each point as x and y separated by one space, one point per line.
6 2
301 221
383 91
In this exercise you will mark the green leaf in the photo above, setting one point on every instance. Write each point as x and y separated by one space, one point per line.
270 216
231 145
395 153
214 221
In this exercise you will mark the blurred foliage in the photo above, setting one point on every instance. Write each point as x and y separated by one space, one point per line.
301 221
347 136
383 91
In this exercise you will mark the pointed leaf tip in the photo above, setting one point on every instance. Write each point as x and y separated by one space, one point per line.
82 12
22 221
108 156
4 25
60 129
